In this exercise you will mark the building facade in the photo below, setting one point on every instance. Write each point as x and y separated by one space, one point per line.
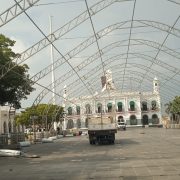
7 124
134 108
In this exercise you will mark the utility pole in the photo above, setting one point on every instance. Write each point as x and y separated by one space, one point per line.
52 62
64 105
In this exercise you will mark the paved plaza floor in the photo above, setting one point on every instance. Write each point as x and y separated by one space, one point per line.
138 153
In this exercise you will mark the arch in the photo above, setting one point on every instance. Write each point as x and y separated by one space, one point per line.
133 120
109 106
136 72
144 106
145 120
88 109
155 119
120 106
99 106
78 123
69 110
102 33
120 119
78 109
153 105
132 106
70 124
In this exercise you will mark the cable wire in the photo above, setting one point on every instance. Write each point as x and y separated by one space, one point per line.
54 47
129 42
95 36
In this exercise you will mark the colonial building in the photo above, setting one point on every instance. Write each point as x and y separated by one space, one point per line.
7 124
134 108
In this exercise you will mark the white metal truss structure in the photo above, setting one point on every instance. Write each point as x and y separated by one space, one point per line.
134 59
74 52
58 34
15 11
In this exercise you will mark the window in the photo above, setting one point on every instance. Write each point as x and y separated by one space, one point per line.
132 106
153 104
69 110
99 106
88 109
144 106
119 104
78 110
109 105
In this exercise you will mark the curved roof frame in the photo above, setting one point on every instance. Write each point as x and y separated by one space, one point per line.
130 24
70 73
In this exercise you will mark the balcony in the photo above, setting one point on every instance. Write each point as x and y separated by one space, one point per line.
120 111
132 110
154 109
145 110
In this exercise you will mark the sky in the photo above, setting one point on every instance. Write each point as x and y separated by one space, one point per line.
143 48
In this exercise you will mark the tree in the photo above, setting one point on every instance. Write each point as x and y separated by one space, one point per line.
176 108
45 114
173 108
15 85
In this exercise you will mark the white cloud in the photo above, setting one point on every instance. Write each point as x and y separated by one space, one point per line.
19 46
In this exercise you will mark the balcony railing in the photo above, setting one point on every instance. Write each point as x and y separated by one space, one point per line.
132 110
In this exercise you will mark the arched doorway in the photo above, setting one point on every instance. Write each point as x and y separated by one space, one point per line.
133 120
155 119
78 123
70 124
145 120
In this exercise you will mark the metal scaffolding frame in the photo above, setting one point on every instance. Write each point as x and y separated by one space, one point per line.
90 78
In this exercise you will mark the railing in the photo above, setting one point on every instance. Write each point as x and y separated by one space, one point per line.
132 110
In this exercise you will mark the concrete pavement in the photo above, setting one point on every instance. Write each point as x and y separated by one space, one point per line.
139 153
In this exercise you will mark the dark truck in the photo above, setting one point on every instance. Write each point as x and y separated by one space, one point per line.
101 130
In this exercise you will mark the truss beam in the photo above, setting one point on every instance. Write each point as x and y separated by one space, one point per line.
92 58
15 11
57 34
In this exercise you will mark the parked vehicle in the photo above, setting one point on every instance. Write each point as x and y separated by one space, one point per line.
101 130
121 126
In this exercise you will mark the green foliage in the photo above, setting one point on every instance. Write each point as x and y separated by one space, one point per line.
15 85
40 113
173 108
